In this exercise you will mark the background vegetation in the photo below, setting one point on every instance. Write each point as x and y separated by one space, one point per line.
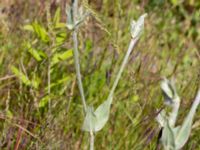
37 71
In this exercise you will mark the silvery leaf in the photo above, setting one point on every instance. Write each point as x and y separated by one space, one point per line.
161 118
102 113
174 113
180 133
69 23
176 130
172 99
168 90
90 120
167 138
137 27
95 121
185 129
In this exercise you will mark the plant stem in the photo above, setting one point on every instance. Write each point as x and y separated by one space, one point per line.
91 140
130 48
77 66
76 54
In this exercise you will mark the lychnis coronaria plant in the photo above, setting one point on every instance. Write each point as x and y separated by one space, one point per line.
175 137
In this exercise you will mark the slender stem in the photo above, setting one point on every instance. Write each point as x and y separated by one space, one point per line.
76 54
77 65
75 9
131 46
71 95
91 140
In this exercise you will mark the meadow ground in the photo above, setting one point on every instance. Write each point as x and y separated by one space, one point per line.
37 72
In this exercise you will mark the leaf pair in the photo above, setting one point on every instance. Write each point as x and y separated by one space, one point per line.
95 120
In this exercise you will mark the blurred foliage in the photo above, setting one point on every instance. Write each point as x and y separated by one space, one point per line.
35 42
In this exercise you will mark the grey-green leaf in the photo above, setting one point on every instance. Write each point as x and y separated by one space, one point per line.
168 137
90 120
102 113
137 27
169 91
69 23
95 121
184 131
161 118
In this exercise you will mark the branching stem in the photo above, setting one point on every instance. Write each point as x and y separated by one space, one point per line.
77 64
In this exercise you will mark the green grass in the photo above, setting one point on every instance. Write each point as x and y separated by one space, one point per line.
169 47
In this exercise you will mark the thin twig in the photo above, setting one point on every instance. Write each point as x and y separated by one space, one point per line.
25 130
19 136
7 77
71 95
4 117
